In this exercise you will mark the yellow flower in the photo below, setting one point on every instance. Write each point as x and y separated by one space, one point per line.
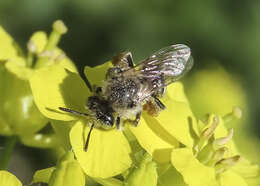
214 159
9 179
19 115
109 151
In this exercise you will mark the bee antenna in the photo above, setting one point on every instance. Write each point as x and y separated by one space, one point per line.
73 111
87 141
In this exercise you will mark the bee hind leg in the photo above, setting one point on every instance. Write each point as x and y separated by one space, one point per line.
159 103
129 59
123 59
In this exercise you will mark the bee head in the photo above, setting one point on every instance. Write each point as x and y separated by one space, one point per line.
102 110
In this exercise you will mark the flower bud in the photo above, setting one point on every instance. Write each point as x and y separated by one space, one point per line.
226 164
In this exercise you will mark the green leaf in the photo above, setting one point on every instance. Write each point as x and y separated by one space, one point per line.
68 172
194 173
55 87
229 178
8 179
43 175
154 139
108 152
144 174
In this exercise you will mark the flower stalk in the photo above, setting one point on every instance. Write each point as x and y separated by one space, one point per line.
9 147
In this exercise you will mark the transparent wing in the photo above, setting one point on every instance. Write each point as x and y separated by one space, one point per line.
168 64
162 68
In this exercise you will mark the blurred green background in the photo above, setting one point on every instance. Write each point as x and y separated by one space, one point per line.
224 32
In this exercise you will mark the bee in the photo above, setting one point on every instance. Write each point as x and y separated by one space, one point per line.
129 89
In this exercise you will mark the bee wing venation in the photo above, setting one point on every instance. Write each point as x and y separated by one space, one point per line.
169 64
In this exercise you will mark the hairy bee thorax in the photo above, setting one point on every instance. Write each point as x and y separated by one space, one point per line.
121 92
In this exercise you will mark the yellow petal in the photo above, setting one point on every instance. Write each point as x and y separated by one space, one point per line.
171 177
229 178
176 92
109 181
246 169
54 87
108 152
144 173
68 172
8 179
62 130
43 175
150 176
7 48
65 61
19 70
177 119
154 139
194 173
96 75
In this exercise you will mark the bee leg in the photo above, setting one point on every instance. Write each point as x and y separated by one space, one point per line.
118 123
123 59
73 111
162 92
159 103
129 59
88 138
137 118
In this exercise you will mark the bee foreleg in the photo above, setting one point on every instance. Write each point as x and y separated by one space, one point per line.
137 118
159 103
118 123
88 138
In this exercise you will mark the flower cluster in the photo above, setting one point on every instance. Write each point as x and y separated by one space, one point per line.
174 148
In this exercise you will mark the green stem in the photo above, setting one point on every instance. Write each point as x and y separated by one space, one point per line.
9 147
